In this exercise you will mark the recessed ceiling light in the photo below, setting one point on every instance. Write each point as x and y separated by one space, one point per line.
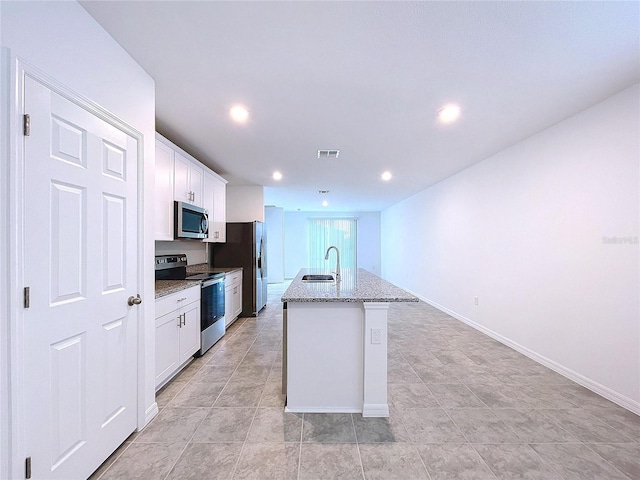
449 113
325 203
239 113
386 176
277 175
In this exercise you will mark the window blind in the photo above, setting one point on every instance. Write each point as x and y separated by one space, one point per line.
326 232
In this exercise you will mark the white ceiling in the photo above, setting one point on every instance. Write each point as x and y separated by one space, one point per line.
368 78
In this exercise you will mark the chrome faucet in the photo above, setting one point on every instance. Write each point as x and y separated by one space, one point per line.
326 257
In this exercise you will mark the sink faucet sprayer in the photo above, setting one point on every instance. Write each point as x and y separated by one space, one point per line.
326 257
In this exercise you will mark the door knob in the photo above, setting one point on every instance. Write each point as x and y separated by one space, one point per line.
134 300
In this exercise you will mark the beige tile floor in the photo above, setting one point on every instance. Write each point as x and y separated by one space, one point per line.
463 406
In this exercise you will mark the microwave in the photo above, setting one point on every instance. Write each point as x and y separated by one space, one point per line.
191 221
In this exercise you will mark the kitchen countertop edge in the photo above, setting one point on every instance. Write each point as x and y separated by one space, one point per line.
367 288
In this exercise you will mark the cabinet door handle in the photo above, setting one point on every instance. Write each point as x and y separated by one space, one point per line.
184 319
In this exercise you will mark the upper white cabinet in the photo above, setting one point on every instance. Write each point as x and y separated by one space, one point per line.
164 193
215 188
182 178
189 178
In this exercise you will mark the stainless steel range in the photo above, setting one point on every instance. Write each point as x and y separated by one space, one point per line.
212 321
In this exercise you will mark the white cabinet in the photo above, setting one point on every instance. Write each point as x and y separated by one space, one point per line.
177 332
188 181
232 296
215 202
163 206
182 178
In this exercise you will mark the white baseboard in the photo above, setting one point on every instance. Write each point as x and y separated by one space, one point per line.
375 410
322 410
149 413
603 391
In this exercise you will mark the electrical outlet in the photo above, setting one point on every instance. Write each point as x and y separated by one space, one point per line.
376 336
475 301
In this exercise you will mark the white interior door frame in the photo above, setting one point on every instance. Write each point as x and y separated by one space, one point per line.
15 70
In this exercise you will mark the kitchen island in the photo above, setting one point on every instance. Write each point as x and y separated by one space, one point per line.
335 343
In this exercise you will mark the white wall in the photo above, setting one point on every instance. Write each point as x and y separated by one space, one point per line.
245 203
525 231
274 222
5 431
62 40
296 245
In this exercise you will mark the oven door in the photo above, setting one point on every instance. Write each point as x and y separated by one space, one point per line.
212 302
212 321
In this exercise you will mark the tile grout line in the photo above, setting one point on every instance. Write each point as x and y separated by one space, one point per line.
212 405
355 434
263 329
235 467
615 467
300 448
114 461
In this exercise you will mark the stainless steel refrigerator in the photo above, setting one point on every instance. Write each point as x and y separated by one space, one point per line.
246 247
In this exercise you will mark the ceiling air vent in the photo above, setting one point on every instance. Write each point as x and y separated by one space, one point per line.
328 153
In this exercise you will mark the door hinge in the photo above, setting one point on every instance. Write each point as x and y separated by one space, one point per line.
27 467
27 299
27 125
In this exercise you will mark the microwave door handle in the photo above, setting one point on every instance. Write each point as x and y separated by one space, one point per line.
204 224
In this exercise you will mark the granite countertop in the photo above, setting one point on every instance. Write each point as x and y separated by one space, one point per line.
205 268
356 286
167 287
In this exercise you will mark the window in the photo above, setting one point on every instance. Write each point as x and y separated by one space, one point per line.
326 232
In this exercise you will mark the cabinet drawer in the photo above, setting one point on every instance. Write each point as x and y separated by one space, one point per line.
233 278
176 300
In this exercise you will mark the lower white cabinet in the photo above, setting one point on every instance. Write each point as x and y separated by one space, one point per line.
177 332
232 296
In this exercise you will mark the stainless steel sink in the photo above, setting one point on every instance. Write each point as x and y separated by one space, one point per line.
318 278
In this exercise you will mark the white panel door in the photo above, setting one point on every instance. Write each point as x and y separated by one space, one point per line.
80 262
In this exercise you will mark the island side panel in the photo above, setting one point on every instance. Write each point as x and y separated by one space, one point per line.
375 360
325 357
